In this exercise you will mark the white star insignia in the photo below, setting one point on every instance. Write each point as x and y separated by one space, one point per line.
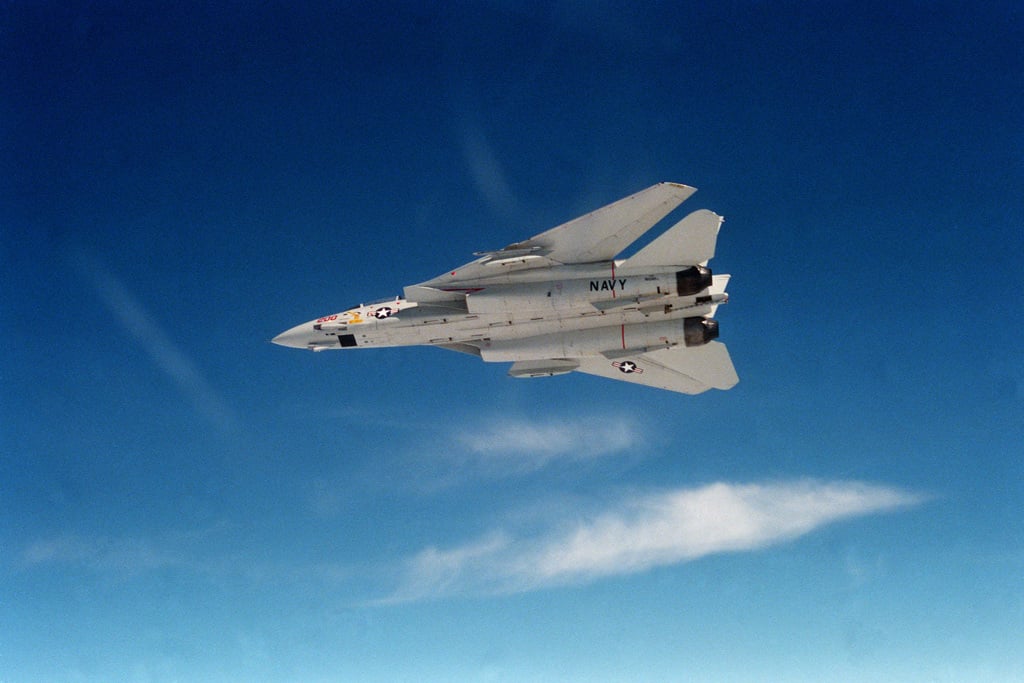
627 367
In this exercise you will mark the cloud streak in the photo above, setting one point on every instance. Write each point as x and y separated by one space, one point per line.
640 533
126 556
486 170
522 446
174 363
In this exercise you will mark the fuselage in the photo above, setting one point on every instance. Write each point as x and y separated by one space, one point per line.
566 306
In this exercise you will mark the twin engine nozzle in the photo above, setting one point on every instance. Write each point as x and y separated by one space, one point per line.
692 280
699 331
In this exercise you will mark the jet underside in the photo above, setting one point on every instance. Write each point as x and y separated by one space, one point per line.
645 319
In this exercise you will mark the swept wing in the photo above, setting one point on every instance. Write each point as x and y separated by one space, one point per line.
592 238
600 235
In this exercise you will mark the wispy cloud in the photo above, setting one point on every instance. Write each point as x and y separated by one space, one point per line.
525 445
141 326
210 552
486 170
642 532
117 555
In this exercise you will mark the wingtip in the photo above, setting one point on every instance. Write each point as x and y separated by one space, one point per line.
681 186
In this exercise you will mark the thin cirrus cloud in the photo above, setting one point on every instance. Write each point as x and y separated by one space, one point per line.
527 445
145 330
640 533
117 555
486 170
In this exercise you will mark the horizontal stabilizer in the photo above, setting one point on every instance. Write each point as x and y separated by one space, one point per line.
709 364
689 242
686 370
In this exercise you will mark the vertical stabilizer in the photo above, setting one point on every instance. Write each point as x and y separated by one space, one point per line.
689 242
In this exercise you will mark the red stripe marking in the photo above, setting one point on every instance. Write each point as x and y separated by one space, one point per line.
623 336
613 279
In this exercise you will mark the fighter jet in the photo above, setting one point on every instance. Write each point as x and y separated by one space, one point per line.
560 301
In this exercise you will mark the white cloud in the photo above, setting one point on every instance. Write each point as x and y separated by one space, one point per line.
643 532
527 445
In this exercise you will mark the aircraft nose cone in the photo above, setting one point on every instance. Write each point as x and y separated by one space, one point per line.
296 338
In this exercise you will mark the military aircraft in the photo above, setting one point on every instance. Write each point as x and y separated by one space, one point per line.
560 301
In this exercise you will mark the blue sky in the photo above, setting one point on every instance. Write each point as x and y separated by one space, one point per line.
183 501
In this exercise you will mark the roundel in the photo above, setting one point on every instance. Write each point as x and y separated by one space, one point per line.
627 367
383 312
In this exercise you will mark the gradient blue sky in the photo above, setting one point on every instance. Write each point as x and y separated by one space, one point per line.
181 500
